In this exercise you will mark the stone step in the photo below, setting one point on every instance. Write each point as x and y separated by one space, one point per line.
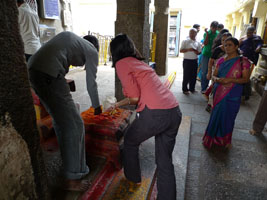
180 156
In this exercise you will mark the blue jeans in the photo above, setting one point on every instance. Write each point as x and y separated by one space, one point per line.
54 94
204 69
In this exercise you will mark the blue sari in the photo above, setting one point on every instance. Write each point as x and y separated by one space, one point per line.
227 99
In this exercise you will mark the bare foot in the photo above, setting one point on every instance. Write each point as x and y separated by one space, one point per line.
228 146
205 96
253 132
76 185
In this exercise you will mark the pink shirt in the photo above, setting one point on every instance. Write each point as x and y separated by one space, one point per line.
140 80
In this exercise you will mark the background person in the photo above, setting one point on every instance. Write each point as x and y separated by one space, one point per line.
228 78
200 40
220 27
209 37
217 52
158 115
47 70
197 27
217 41
261 115
29 28
191 49
199 72
250 46
198 37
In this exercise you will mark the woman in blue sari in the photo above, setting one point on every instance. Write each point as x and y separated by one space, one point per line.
231 72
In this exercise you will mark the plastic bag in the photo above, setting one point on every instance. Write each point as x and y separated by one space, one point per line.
109 101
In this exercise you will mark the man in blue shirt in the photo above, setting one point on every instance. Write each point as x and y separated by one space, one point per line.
250 46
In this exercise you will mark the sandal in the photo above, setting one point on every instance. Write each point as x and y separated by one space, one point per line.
208 108
186 92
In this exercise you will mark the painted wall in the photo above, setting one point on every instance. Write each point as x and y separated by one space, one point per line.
200 12
256 8
245 9
96 16
60 24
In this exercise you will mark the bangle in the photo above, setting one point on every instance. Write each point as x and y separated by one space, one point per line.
129 102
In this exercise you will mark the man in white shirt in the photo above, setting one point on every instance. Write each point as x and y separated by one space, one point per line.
29 28
191 49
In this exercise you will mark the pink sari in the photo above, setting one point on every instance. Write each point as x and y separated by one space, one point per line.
226 103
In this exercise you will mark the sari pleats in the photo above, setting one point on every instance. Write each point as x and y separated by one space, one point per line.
227 99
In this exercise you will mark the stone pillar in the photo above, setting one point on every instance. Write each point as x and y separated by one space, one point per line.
23 174
160 27
133 20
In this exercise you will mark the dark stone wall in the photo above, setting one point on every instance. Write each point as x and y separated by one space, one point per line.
15 96
160 27
133 20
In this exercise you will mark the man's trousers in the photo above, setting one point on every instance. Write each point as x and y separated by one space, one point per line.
54 94
261 115
189 75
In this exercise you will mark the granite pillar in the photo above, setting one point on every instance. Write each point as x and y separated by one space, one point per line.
160 27
133 20
23 174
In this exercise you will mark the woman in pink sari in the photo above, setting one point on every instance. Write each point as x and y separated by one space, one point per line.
231 72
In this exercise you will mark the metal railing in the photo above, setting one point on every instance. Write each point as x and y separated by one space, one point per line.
104 54
153 40
104 41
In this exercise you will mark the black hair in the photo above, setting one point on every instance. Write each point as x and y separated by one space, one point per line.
224 31
121 47
196 26
220 26
227 34
218 40
20 1
251 28
92 39
232 39
214 24
235 41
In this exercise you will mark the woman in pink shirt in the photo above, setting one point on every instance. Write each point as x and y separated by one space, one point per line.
159 115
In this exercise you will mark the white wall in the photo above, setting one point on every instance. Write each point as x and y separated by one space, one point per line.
100 15
201 12
94 15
